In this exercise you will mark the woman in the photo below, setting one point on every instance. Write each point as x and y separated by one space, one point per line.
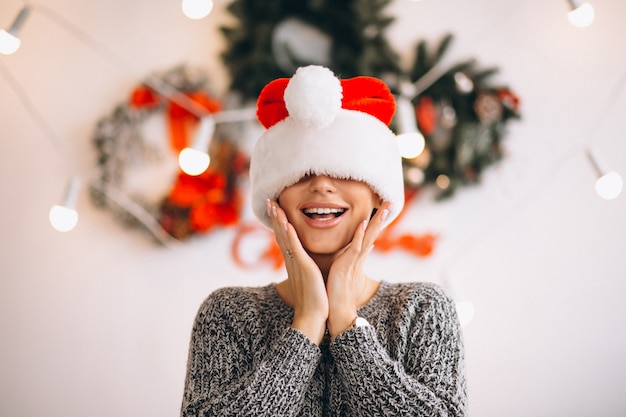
326 176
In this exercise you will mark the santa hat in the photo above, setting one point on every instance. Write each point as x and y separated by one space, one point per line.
318 124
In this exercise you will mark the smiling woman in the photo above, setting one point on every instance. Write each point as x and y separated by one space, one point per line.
326 177
326 211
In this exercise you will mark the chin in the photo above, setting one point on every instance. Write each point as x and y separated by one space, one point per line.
324 248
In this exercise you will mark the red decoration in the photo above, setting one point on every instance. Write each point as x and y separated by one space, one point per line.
366 94
509 99
426 115
419 245
179 118
196 204
271 255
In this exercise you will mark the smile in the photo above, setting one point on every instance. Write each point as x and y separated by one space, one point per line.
323 213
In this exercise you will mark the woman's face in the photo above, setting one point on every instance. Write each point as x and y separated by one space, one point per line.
326 211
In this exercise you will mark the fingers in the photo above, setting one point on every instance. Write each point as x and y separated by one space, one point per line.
375 226
369 230
279 224
286 235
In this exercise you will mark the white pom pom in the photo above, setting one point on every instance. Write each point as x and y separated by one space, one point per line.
313 96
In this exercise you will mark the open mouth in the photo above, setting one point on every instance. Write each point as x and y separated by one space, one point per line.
324 213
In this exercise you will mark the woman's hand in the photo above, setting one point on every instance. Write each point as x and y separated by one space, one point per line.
306 287
347 286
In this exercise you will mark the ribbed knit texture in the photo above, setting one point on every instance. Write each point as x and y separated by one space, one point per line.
246 360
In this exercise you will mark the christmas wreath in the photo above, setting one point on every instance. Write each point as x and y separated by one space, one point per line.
137 147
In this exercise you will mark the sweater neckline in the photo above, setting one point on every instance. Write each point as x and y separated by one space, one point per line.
372 301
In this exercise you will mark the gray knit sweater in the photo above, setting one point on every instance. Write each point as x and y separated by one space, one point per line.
246 360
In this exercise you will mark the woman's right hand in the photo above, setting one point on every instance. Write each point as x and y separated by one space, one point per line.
305 283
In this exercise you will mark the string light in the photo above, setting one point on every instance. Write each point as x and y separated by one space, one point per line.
64 217
195 160
410 141
609 183
197 9
580 15
9 39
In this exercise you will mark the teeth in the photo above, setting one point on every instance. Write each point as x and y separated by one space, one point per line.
326 210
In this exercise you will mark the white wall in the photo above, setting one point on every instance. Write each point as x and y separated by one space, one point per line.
96 321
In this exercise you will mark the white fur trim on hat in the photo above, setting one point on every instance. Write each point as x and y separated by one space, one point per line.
354 146
320 137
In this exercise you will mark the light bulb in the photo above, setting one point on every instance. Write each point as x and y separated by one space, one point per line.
610 185
63 218
411 145
9 40
442 181
197 9
193 161
410 141
8 43
582 16
414 175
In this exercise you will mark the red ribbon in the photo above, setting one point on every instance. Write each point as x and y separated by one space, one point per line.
179 118
419 245
271 255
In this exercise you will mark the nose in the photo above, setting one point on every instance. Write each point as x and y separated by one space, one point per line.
322 184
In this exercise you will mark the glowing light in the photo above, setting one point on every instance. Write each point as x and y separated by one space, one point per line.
463 83
415 175
411 145
197 9
610 185
193 161
8 43
410 141
443 181
63 218
581 16
9 39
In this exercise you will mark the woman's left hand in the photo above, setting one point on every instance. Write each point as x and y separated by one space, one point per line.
347 284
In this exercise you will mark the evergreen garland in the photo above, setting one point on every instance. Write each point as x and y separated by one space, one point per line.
462 117
355 27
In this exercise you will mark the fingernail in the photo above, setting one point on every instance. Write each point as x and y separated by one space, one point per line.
384 215
285 225
364 224
268 207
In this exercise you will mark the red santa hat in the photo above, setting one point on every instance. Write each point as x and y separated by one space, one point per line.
318 124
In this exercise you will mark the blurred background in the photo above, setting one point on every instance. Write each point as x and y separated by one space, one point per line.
96 321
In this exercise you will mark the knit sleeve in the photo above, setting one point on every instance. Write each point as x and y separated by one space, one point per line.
427 380
227 377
